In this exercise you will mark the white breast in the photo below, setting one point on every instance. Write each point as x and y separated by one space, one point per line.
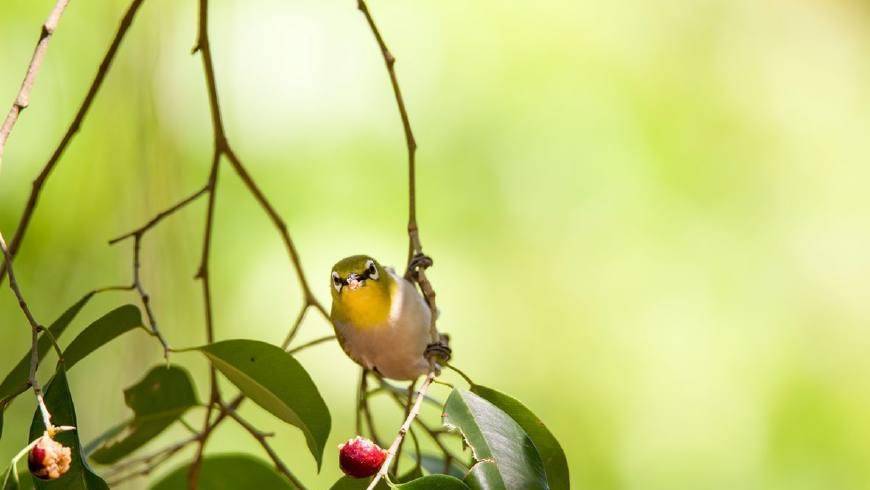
396 348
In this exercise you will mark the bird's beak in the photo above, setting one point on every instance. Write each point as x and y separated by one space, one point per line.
355 281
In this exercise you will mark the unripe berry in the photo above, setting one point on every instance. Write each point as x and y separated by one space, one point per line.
48 459
360 458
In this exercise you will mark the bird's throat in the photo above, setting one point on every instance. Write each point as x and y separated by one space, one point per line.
368 306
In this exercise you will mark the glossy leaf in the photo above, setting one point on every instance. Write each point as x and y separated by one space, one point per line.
435 465
228 472
277 382
411 474
60 404
506 456
552 455
15 382
349 483
103 330
434 482
157 401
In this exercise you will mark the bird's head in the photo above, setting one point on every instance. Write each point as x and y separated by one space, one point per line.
360 290
354 273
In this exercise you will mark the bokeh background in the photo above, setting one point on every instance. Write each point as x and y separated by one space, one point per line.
650 219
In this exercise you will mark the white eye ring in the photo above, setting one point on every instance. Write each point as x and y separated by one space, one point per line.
337 283
372 270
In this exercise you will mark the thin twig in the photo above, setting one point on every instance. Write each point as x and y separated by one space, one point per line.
279 223
313 342
434 434
407 412
160 216
137 235
39 182
366 409
220 144
415 271
223 148
149 458
296 326
390 61
412 414
261 438
35 328
415 248
22 99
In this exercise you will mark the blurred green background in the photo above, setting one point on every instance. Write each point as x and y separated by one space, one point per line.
650 220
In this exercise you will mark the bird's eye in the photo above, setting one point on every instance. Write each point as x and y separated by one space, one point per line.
337 283
371 270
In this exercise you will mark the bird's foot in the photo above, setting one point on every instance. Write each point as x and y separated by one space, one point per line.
440 351
419 262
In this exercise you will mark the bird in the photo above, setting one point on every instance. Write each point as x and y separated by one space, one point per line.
381 320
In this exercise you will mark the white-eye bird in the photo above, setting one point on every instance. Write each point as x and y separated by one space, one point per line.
381 320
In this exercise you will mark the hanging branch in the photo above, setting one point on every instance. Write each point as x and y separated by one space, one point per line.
417 261
22 100
35 328
222 148
39 182
137 235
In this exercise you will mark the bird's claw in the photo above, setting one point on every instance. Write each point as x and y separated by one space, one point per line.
439 351
420 261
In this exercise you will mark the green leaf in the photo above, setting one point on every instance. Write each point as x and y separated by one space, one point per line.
552 455
15 382
506 456
350 483
227 472
435 465
434 482
277 382
103 330
157 401
411 474
60 404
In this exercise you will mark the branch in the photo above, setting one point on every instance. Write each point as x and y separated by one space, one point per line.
389 60
412 414
160 216
416 268
415 248
261 438
41 179
313 342
220 144
22 100
433 434
35 328
223 148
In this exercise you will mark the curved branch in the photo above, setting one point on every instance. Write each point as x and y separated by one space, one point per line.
22 100
41 179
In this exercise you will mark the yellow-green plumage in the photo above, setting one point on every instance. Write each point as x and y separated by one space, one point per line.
381 320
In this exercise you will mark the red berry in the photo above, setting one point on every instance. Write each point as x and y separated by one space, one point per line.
48 459
360 458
